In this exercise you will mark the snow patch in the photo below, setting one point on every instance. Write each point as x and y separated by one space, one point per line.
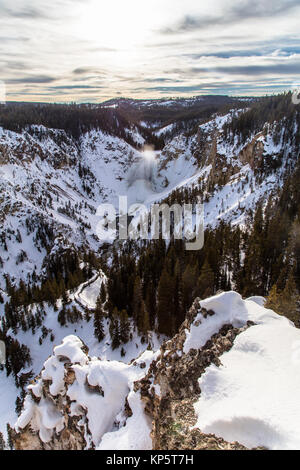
253 397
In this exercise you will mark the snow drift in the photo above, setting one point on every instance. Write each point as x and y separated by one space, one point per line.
93 392
253 397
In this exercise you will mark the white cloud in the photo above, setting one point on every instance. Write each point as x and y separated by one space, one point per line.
122 47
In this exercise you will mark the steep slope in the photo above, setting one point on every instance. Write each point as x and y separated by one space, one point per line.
74 316
51 187
51 184
229 373
229 172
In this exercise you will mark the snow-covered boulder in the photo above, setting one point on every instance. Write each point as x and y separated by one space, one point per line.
78 399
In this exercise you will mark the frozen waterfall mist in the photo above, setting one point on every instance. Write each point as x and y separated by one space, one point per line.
144 171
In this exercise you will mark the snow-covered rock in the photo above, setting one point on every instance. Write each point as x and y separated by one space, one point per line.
252 397
228 380
77 395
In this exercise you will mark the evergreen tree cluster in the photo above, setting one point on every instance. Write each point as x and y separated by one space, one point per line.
72 118
62 272
272 109
156 283
17 357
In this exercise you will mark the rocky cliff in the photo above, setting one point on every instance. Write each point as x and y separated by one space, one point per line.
216 385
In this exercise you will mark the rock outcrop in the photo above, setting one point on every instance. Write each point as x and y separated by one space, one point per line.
212 386
77 400
175 375
58 410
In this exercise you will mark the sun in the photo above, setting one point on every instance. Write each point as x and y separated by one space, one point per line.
118 24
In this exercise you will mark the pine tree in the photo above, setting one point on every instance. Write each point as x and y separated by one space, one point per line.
145 320
98 321
2 442
206 281
98 326
124 327
114 330
19 405
274 300
286 302
62 317
9 436
150 303
165 304
290 301
138 304
103 293
189 285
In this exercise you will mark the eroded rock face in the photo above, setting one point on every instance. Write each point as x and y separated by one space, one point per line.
52 145
171 387
253 152
71 438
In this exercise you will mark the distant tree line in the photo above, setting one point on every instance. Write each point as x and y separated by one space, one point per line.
274 109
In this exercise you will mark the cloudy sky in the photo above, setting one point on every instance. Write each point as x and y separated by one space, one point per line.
92 50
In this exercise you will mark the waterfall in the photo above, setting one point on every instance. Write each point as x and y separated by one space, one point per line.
144 169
